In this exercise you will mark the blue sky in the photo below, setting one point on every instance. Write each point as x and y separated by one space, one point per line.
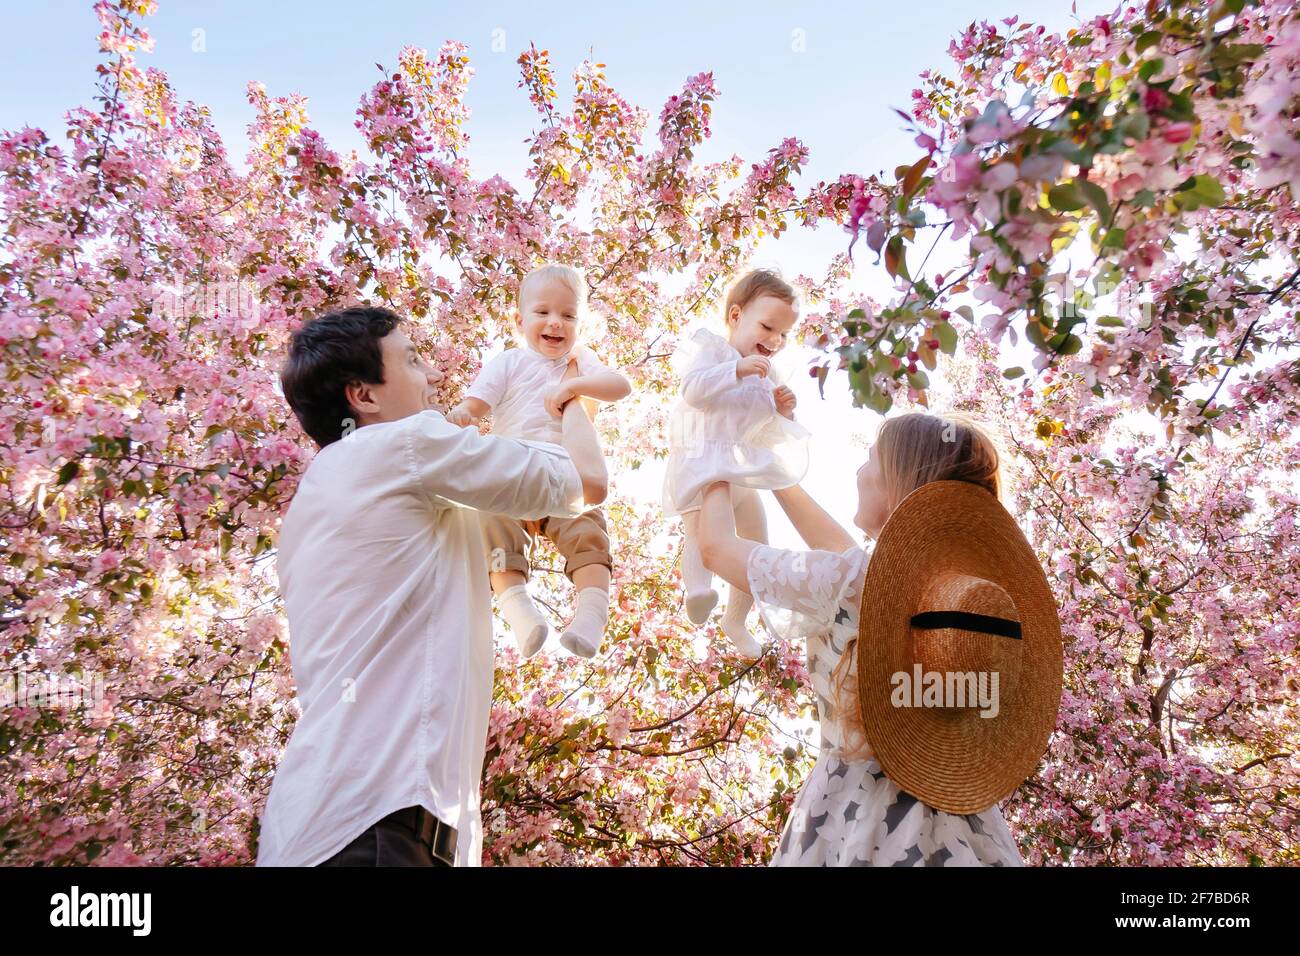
827 73
857 60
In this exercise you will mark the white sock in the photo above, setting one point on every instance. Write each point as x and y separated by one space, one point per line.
587 629
733 623
526 622
698 582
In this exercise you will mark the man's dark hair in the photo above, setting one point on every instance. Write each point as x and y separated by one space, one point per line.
325 356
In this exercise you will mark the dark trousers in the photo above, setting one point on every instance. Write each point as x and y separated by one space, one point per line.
392 841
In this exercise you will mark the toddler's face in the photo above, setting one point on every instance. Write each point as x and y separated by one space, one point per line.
761 328
548 314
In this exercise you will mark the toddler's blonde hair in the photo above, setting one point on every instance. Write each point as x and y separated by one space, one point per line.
557 270
577 283
754 284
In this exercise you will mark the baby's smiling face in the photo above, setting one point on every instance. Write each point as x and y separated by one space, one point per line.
548 315
762 327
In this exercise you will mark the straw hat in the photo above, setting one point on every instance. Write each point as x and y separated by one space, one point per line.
954 590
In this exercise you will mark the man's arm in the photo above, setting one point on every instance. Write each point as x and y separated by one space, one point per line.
505 476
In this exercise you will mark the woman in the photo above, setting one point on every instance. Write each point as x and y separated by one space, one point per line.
848 813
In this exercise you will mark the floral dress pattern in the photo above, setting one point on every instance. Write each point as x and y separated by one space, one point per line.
848 813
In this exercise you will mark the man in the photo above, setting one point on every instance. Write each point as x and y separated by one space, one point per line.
384 579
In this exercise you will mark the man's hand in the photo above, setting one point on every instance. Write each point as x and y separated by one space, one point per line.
753 365
785 401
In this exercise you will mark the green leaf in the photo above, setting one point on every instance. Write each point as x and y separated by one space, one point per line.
1148 40
1034 332
1150 68
1206 190
1096 197
1070 345
1114 239
947 337
879 402
1013 372
1136 125
68 472
1065 197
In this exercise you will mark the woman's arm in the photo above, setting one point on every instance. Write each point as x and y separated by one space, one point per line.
817 528
722 552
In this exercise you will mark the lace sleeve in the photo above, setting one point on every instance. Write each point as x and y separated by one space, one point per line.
798 593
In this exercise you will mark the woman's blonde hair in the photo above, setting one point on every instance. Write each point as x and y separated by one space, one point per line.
913 450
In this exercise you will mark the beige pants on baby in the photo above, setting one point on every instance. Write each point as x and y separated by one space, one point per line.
582 540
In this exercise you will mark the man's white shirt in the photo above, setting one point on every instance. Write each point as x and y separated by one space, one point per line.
384 578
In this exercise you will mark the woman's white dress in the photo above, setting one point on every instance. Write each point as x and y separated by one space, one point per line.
724 429
848 813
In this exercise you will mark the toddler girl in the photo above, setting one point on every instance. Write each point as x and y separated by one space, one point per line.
733 424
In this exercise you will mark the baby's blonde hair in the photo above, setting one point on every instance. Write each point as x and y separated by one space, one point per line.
577 283
914 450
557 270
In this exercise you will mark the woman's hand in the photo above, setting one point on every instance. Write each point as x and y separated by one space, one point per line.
785 401
753 365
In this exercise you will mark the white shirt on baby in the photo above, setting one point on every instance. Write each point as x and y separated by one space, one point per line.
515 384
384 578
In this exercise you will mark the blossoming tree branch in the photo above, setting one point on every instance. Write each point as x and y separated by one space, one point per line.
1123 196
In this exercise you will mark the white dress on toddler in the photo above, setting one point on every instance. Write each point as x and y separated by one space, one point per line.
725 429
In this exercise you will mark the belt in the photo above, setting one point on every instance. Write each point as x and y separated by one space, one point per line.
431 831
